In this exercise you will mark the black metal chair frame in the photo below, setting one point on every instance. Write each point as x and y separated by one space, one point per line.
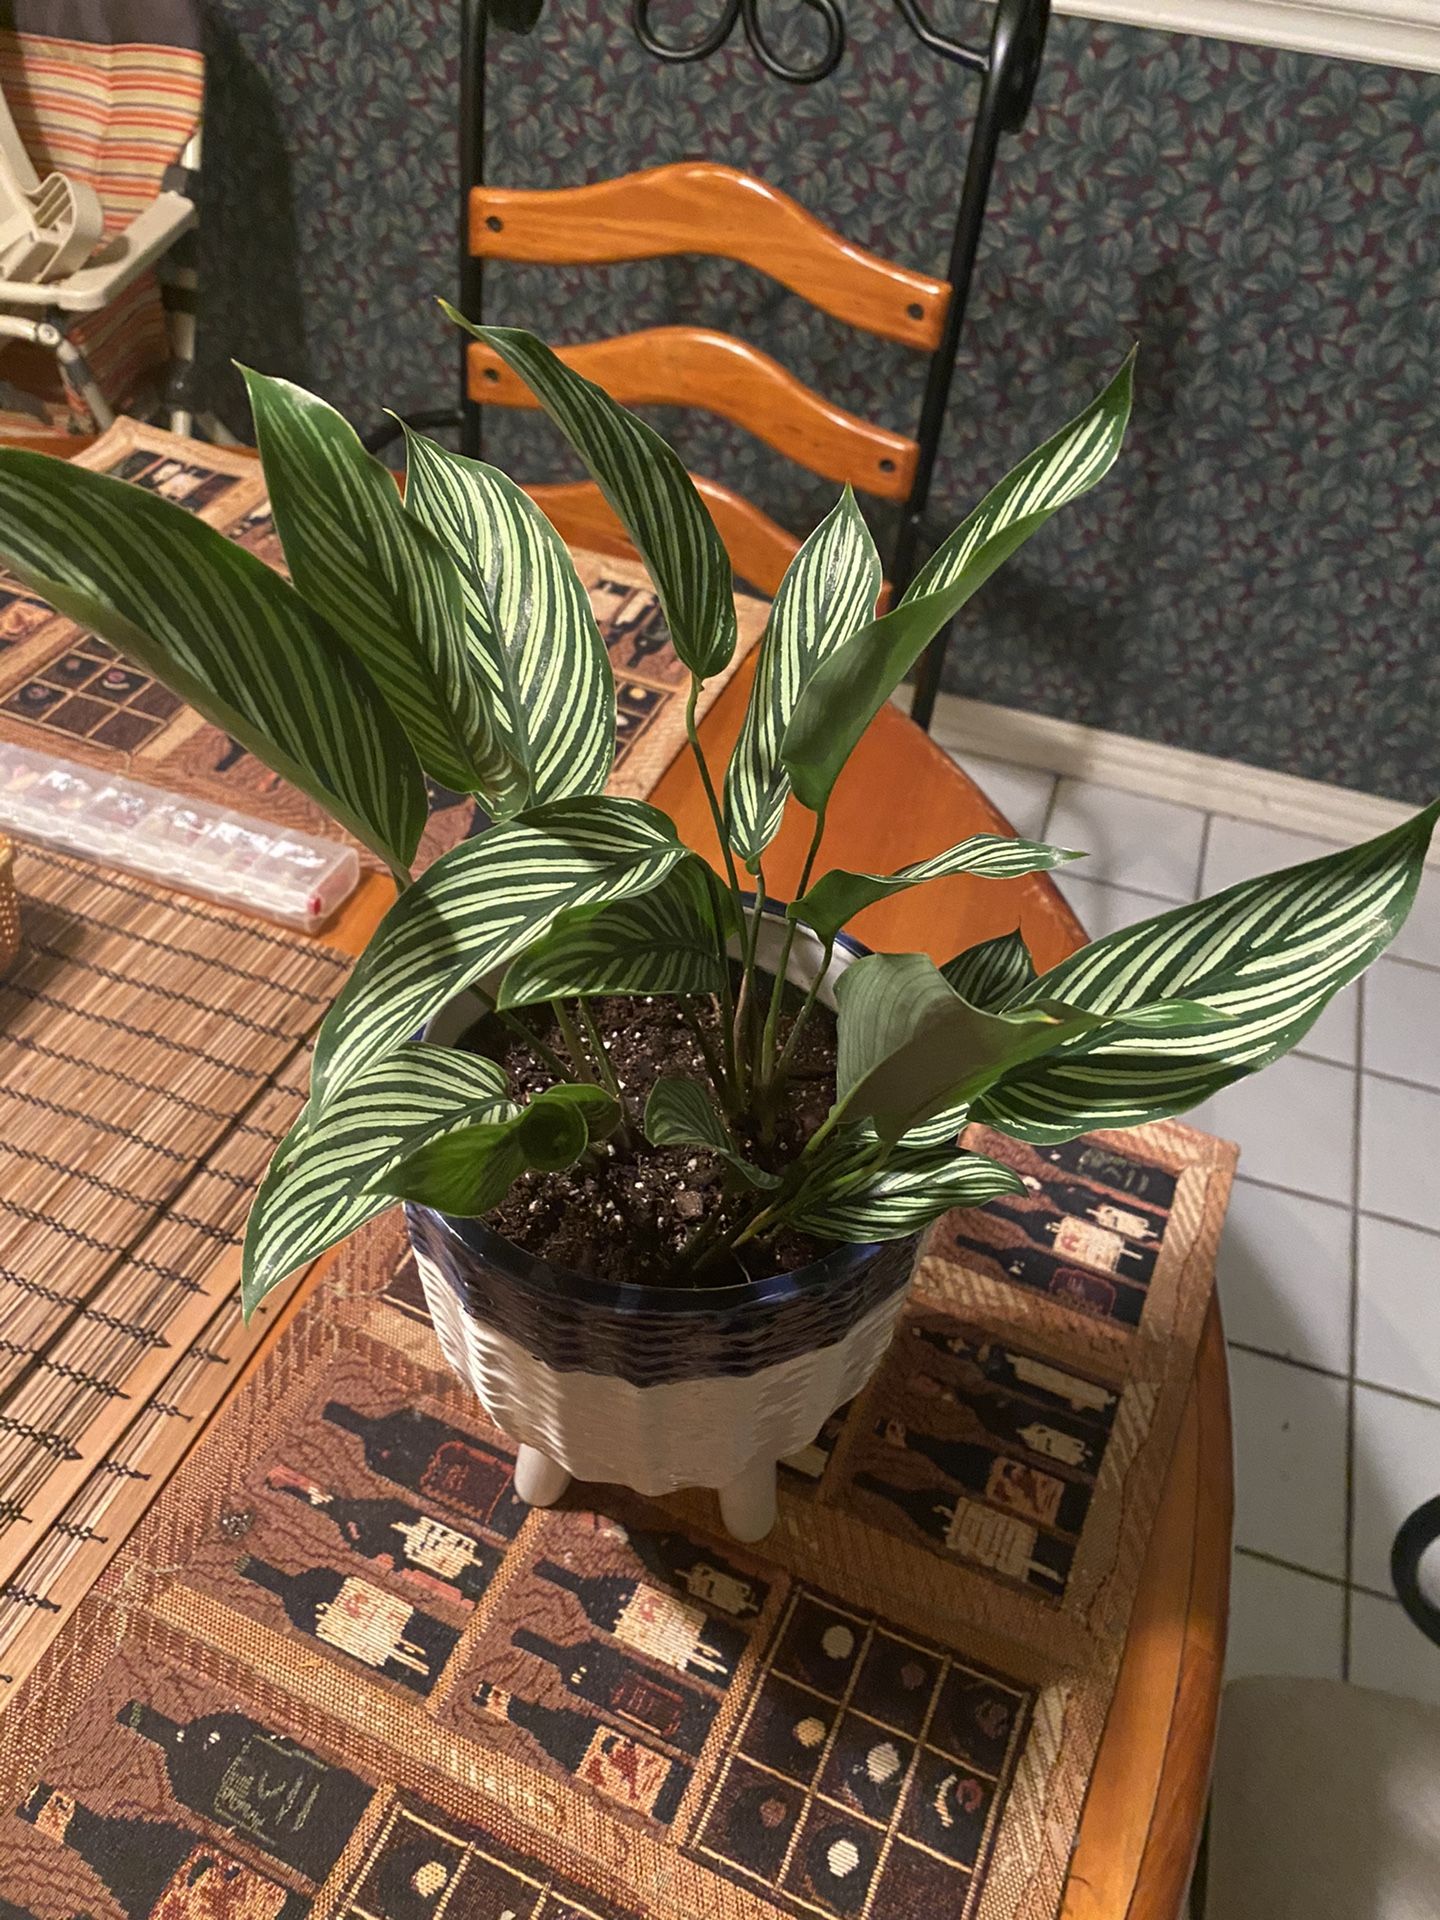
1008 67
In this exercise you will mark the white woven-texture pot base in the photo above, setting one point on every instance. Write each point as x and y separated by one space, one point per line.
684 1433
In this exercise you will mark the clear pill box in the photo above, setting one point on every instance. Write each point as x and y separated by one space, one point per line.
295 878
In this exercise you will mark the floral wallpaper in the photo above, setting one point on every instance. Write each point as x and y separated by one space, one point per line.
1260 578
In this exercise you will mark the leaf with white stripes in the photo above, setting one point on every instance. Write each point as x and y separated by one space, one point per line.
479 905
839 895
383 582
646 483
469 1169
224 631
1268 954
528 622
322 1182
829 590
853 1201
669 940
992 973
681 1113
849 688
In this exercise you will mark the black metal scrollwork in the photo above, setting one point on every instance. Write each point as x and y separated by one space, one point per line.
747 12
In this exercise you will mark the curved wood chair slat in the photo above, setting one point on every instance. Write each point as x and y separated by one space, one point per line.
760 550
695 367
695 206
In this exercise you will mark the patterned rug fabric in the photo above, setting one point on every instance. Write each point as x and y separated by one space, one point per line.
340 1671
67 693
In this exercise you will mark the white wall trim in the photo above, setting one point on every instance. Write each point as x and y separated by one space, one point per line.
1392 33
967 728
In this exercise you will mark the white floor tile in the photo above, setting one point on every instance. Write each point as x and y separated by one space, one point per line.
1023 794
1239 849
1402 1021
1151 845
1336 1034
1289 1462
1400 1151
1283 1622
1295 1123
1105 909
1419 938
1397 1467
1399 1325
1387 1650
1284 1275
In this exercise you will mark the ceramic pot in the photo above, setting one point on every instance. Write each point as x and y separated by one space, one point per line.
659 1388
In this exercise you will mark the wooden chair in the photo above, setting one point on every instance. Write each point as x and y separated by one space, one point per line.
698 207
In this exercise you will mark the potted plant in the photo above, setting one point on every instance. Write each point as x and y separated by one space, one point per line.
667 1145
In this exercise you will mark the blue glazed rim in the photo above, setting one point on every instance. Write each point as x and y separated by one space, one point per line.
480 1242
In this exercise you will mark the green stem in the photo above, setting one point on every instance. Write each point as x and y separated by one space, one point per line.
743 1023
777 1082
513 1023
575 1046
713 1065
777 990
722 832
600 1051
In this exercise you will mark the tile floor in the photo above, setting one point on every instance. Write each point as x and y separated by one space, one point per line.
1330 1266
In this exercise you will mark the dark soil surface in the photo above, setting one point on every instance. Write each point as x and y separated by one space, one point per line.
625 1217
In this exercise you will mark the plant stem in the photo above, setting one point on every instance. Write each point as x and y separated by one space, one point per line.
575 1046
713 1065
513 1023
600 1052
766 1060
722 832
777 1083
744 1010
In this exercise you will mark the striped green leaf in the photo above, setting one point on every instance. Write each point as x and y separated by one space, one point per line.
477 907
854 1202
849 688
323 1180
829 590
909 1047
840 894
681 1113
224 631
529 624
469 1169
669 940
383 582
1268 954
647 485
991 974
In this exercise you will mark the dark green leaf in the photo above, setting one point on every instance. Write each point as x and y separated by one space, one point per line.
681 1113
224 631
840 894
849 688
829 590
469 1170
647 485
528 623
384 584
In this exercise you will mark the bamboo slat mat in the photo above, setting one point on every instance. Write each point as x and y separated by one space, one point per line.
149 1061
339 1672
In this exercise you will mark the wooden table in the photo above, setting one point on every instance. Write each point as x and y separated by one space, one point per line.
900 799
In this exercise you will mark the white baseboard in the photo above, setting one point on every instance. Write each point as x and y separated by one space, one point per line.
1391 33
969 728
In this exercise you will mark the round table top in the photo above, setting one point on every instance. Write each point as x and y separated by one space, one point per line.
900 799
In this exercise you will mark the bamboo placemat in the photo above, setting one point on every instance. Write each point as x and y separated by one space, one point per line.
340 1670
65 691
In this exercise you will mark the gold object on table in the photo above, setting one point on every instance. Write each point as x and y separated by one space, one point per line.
9 906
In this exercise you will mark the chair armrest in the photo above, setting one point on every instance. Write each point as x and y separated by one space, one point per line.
125 256
1416 1536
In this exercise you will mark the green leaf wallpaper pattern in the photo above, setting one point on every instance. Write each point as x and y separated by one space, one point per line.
1261 575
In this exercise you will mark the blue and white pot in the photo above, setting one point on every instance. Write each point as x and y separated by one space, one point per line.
659 1388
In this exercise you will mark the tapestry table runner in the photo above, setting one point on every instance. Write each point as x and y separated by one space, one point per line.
340 1671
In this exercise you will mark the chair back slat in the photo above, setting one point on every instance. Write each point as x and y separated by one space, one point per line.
697 207
759 549
694 367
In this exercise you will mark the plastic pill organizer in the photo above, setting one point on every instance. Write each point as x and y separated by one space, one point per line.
291 877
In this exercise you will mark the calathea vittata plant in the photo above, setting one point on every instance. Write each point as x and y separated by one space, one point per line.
447 634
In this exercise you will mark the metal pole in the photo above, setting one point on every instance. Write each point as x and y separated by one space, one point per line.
1011 67
472 174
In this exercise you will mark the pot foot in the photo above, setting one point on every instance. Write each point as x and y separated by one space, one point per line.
539 1480
747 1505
